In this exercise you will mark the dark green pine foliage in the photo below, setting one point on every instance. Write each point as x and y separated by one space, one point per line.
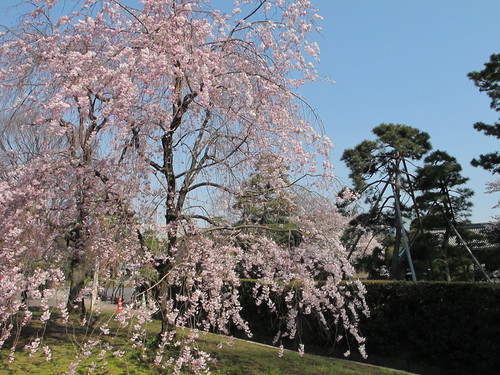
443 202
379 171
384 156
262 205
488 81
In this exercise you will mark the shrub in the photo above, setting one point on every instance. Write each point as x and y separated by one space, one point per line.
435 327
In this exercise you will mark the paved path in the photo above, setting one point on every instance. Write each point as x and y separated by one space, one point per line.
62 296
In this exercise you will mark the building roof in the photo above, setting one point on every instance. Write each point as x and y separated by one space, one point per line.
480 236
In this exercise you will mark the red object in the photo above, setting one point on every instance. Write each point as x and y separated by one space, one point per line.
120 305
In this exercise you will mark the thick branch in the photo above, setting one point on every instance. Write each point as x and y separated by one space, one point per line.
251 226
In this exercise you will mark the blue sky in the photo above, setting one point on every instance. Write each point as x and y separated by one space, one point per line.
404 61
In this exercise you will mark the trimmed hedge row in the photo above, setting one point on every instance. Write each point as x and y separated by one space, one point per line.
425 327
454 327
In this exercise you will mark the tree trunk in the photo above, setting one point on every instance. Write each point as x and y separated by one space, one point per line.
162 290
162 293
396 263
77 277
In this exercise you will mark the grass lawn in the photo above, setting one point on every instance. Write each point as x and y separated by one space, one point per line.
239 358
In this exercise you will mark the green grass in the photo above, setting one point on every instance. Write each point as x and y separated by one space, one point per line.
240 358
245 358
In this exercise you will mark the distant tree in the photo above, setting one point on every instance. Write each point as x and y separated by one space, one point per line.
488 80
440 181
443 203
494 187
491 260
262 204
379 169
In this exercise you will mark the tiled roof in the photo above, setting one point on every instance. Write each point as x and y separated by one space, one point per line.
481 238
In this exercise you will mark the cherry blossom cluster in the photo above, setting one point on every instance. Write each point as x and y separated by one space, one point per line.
165 104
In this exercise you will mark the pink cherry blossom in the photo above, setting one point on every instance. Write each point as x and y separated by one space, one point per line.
164 110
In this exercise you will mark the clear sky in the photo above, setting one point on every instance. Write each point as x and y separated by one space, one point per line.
404 61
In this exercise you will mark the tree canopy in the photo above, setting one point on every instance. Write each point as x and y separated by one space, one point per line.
165 106
488 81
442 204
379 168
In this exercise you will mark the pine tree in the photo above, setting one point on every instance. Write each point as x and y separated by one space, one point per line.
488 80
379 169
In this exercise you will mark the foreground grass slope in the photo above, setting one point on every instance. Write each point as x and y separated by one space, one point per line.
239 358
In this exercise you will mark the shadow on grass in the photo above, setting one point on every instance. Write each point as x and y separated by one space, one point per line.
233 357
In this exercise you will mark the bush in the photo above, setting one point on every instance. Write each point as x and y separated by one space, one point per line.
450 326
429 327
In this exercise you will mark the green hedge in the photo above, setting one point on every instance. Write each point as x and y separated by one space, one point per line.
426 327
451 326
